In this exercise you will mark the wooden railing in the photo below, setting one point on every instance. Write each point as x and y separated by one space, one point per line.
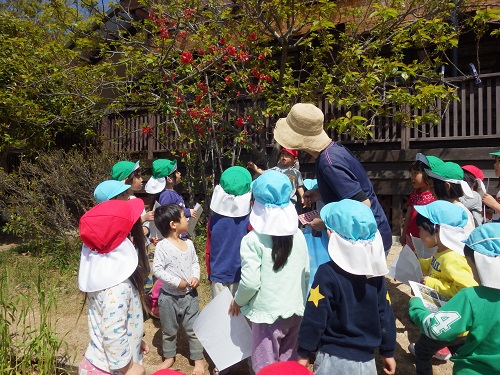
473 117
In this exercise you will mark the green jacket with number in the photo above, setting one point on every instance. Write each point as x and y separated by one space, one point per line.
476 310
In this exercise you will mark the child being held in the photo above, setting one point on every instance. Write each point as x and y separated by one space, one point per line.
473 310
286 164
176 265
348 314
441 224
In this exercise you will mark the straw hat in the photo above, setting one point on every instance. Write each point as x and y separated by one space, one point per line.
355 244
272 211
302 129
108 257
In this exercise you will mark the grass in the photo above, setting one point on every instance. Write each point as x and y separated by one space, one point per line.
29 288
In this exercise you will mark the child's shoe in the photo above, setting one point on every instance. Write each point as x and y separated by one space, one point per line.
443 354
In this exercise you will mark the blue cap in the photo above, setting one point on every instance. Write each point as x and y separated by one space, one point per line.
444 212
485 239
109 189
351 219
272 189
310 183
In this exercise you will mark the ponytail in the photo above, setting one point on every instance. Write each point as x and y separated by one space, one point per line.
282 247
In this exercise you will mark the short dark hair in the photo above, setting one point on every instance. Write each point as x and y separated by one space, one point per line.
471 180
425 223
164 215
417 166
453 193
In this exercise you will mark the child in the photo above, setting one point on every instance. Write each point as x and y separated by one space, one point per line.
473 310
274 272
446 183
286 164
111 189
474 178
111 273
128 173
348 314
231 209
176 265
441 224
165 177
490 201
419 196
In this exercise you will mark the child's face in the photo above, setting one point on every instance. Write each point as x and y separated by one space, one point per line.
136 184
175 178
496 166
286 159
417 180
182 225
429 240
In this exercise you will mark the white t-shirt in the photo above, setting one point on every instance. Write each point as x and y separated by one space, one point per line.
116 327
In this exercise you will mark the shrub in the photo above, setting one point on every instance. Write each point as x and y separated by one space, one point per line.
45 198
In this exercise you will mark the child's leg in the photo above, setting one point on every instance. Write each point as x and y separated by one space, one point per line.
169 309
288 344
191 309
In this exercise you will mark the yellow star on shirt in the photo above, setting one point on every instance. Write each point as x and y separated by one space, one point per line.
315 296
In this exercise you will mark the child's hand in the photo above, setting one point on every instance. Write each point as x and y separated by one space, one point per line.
182 285
144 347
251 165
193 212
389 365
423 279
148 216
154 240
311 196
194 282
317 224
234 308
303 361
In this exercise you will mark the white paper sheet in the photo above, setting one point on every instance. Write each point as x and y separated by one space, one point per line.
153 230
406 267
421 250
432 300
227 339
194 220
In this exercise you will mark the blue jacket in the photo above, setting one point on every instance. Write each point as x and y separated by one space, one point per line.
348 316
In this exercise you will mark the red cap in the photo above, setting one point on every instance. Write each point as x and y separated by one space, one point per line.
106 225
285 368
475 171
167 372
294 153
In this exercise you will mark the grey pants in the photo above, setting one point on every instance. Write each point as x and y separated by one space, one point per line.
175 310
327 364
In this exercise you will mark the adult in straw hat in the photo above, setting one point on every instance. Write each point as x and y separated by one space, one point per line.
340 175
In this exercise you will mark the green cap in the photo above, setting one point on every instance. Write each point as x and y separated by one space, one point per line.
447 171
123 169
495 153
163 167
236 181
429 161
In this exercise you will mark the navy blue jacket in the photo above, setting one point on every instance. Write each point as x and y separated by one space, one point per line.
352 318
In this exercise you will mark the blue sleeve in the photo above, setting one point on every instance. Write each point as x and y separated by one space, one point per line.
341 180
387 323
172 197
317 312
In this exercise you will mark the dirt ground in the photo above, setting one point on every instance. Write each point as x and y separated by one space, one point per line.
75 332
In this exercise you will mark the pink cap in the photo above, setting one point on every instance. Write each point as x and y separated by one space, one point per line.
294 153
475 171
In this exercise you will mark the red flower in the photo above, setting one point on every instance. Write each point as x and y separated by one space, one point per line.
252 36
164 32
212 48
178 100
183 153
182 35
261 57
201 51
188 13
203 87
228 80
177 112
198 99
164 78
231 50
151 15
240 122
147 130
255 72
268 78
243 57
186 58
222 41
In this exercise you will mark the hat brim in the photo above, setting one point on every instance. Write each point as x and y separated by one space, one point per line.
495 153
274 221
230 205
101 271
365 258
155 185
289 138
421 158
488 269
